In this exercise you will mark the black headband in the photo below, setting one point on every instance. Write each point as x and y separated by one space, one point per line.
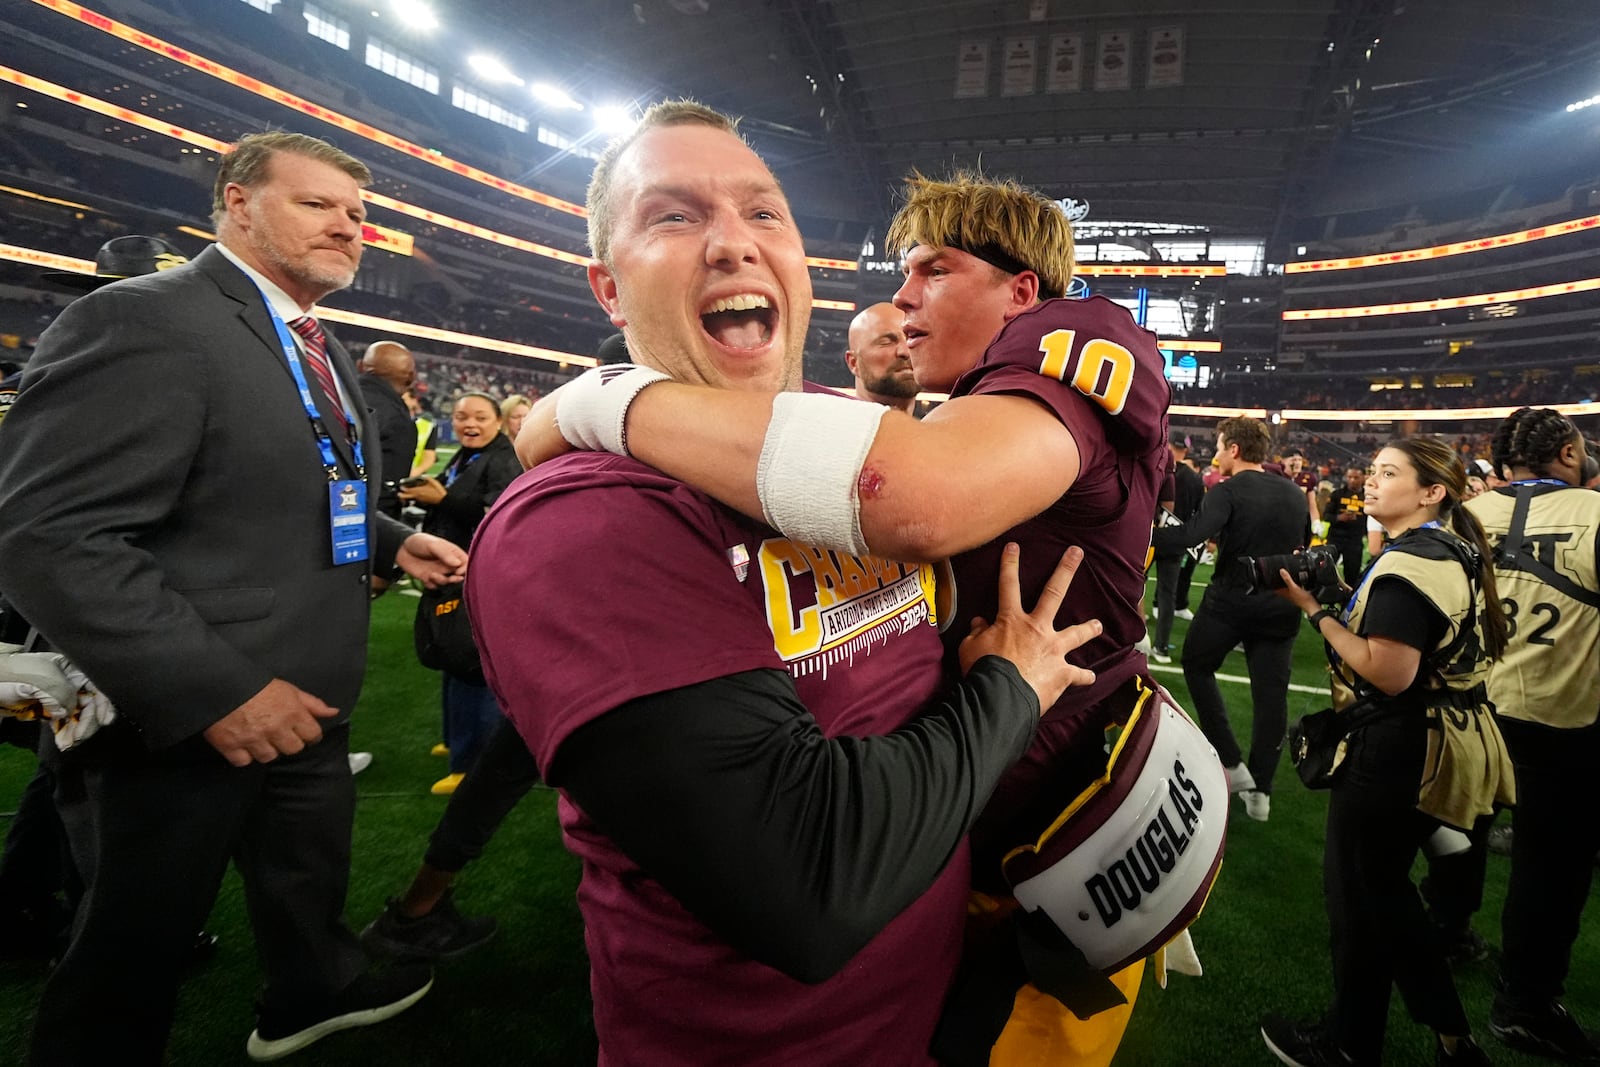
996 256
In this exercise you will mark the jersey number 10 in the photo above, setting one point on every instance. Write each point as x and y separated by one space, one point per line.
1101 370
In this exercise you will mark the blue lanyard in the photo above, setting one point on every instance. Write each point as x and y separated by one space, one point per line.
1432 524
457 469
1544 481
291 352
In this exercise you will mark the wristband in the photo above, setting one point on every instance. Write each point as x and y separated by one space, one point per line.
1316 619
810 463
592 409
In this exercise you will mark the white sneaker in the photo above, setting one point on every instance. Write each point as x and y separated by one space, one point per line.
1185 614
1240 779
1143 645
1160 657
360 761
1257 805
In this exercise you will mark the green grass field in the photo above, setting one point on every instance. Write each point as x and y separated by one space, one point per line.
524 998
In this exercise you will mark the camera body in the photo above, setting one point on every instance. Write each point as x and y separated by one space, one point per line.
1314 569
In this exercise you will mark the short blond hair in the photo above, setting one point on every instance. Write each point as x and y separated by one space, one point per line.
1001 222
667 113
246 164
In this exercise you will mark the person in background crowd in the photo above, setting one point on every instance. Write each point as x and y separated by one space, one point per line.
427 451
217 592
1410 653
513 409
455 503
1197 490
388 372
1347 524
1175 569
680 704
1546 693
1251 514
879 358
1294 465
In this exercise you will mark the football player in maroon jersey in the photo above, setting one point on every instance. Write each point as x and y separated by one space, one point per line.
1055 435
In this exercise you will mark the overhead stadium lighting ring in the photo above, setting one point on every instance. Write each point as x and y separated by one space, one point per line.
361 129
133 118
1536 292
1413 255
183 56
55 261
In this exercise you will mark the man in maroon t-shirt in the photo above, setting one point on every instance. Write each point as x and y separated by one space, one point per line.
1055 435
766 787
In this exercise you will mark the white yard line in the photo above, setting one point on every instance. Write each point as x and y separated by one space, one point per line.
1238 679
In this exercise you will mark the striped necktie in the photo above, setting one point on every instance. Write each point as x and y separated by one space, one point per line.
310 331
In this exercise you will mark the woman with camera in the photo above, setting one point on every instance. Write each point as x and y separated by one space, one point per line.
1409 655
456 501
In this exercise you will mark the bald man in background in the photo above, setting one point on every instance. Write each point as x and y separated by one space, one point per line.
879 358
387 372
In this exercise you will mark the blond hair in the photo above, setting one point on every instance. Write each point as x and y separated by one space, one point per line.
1000 222
246 164
667 113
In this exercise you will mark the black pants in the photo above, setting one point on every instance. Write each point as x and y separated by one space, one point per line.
1185 580
1553 848
152 836
1268 627
1379 933
502 776
36 864
1167 574
1351 549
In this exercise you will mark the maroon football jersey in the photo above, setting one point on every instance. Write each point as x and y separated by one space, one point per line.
596 580
1101 374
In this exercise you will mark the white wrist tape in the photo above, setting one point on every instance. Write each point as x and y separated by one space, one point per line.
810 463
592 409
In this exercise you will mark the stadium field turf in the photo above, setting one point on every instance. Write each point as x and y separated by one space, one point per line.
523 999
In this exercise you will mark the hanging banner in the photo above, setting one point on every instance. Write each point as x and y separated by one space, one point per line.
1065 73
1020 74
1165 68
1113 65
972 69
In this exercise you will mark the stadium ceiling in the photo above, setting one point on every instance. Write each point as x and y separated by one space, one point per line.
1288 112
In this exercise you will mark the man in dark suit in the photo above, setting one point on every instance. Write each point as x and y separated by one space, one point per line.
387 372
206 560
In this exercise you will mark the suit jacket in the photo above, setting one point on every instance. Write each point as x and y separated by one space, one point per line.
164 506
396 443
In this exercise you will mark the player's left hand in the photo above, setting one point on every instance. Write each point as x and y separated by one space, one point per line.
432 560
540 438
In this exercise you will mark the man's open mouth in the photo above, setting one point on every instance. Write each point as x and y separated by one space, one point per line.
743 321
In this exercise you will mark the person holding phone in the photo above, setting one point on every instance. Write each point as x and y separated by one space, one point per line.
456 501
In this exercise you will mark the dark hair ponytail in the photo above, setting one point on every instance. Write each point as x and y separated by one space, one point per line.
1436 463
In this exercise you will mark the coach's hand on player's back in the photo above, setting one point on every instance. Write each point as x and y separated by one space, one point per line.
1030 639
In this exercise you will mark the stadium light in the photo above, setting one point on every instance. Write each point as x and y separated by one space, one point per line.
614 120
550 96
415 14
489 67
1579 105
